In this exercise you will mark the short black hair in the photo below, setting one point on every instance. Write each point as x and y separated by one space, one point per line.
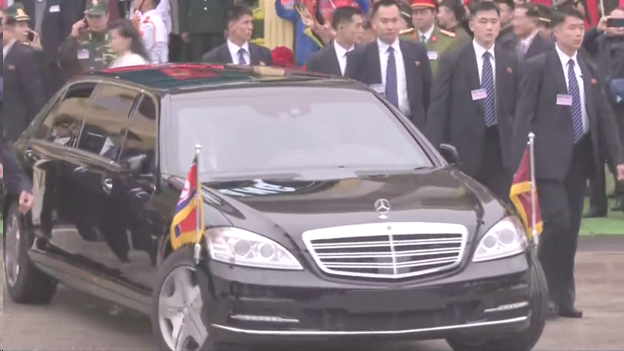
510 3
531 10
384 3
563 13
456 7
344 14
483 6
239 11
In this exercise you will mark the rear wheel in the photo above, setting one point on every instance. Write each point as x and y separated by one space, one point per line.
24 282
526 339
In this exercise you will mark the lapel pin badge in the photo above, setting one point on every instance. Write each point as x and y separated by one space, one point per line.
509 70
593 81
417 63
11 67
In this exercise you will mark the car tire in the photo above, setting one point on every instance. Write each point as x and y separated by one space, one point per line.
182 259
29 285
526 339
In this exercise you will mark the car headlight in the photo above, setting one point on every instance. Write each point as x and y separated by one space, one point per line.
241 247
506 238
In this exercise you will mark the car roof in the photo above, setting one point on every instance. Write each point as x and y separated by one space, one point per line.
178 78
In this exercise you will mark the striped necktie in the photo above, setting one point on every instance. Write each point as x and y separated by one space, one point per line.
487 83
392 94
577 109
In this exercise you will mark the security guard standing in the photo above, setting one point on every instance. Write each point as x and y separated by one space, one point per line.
426 31
89 44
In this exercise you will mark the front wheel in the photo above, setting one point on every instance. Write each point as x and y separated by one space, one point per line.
179 315
526 339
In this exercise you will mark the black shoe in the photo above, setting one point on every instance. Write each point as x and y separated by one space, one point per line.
595 213
571 313
619 204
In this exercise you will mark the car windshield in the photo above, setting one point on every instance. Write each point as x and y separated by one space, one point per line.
279 129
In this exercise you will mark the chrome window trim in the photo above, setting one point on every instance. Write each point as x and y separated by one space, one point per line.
457 327
391 229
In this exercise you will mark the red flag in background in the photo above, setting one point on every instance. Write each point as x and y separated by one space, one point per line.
520 195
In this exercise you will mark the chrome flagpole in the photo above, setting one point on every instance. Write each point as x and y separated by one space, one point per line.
534 234
198 211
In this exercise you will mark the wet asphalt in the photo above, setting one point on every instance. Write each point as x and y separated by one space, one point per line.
76 321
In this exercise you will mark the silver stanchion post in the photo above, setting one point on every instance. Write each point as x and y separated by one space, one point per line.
534 234
199 204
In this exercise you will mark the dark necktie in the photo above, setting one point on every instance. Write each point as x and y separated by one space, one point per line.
423 38
392 94
487 83
577 112
241 57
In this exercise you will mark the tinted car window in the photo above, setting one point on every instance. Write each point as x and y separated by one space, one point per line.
64 120
139 147
106 121
276 129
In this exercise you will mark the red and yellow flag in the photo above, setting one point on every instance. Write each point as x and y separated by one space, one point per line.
520 195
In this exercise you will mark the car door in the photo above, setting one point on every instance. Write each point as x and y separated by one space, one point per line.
103 241
50 152
137 186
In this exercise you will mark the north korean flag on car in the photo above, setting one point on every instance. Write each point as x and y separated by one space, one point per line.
520 195
189 213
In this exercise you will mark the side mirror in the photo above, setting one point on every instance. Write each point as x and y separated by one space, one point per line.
450 154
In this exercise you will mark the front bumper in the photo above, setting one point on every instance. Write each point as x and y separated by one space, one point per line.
251 305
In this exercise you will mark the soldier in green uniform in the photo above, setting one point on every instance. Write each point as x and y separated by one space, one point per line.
89 44
435 39
451 16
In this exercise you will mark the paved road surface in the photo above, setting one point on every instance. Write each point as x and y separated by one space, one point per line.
75 321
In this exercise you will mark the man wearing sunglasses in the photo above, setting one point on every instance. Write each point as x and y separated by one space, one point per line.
89 44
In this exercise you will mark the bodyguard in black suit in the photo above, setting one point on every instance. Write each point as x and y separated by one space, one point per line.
349 26
528 42
563 103
24 93
398 69
238 50
473 102
53 21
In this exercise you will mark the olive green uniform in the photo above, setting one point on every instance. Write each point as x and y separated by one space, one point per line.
439 42
91 51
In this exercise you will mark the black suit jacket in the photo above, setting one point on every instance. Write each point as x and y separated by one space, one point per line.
363 65
258 55
57 25
456 119
537 112
538 45
325 61
15 181
23 89
507 39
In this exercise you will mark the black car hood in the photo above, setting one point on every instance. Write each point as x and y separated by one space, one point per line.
284 209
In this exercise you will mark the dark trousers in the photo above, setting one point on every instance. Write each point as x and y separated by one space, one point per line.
561 203
202 43
54 79
177 49
492 173
598 200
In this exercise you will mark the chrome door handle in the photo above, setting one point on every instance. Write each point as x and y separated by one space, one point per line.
107 185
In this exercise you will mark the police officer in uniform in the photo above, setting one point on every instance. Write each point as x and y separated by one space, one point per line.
427 32
89 44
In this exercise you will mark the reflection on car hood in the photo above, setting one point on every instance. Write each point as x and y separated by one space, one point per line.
284 209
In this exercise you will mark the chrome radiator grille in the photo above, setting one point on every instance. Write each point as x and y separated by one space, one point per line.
387 250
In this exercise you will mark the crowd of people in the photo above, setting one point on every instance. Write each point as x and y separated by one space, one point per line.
479 77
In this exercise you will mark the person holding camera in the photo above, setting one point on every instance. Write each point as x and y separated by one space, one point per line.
605 44
21 72
89 44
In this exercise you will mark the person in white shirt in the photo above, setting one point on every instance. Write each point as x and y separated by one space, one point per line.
526 28
126 42
348 24
148 20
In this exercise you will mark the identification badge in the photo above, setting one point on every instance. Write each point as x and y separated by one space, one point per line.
55 8
433 55
378 88
83 54
479 94
564 100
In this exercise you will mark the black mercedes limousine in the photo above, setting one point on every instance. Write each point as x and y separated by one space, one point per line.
329 216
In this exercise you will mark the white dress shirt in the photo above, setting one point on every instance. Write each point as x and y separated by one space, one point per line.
426 34
525 43
6 49
404 104
234 49
341 54
155 36
129 59
479 52
579 78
